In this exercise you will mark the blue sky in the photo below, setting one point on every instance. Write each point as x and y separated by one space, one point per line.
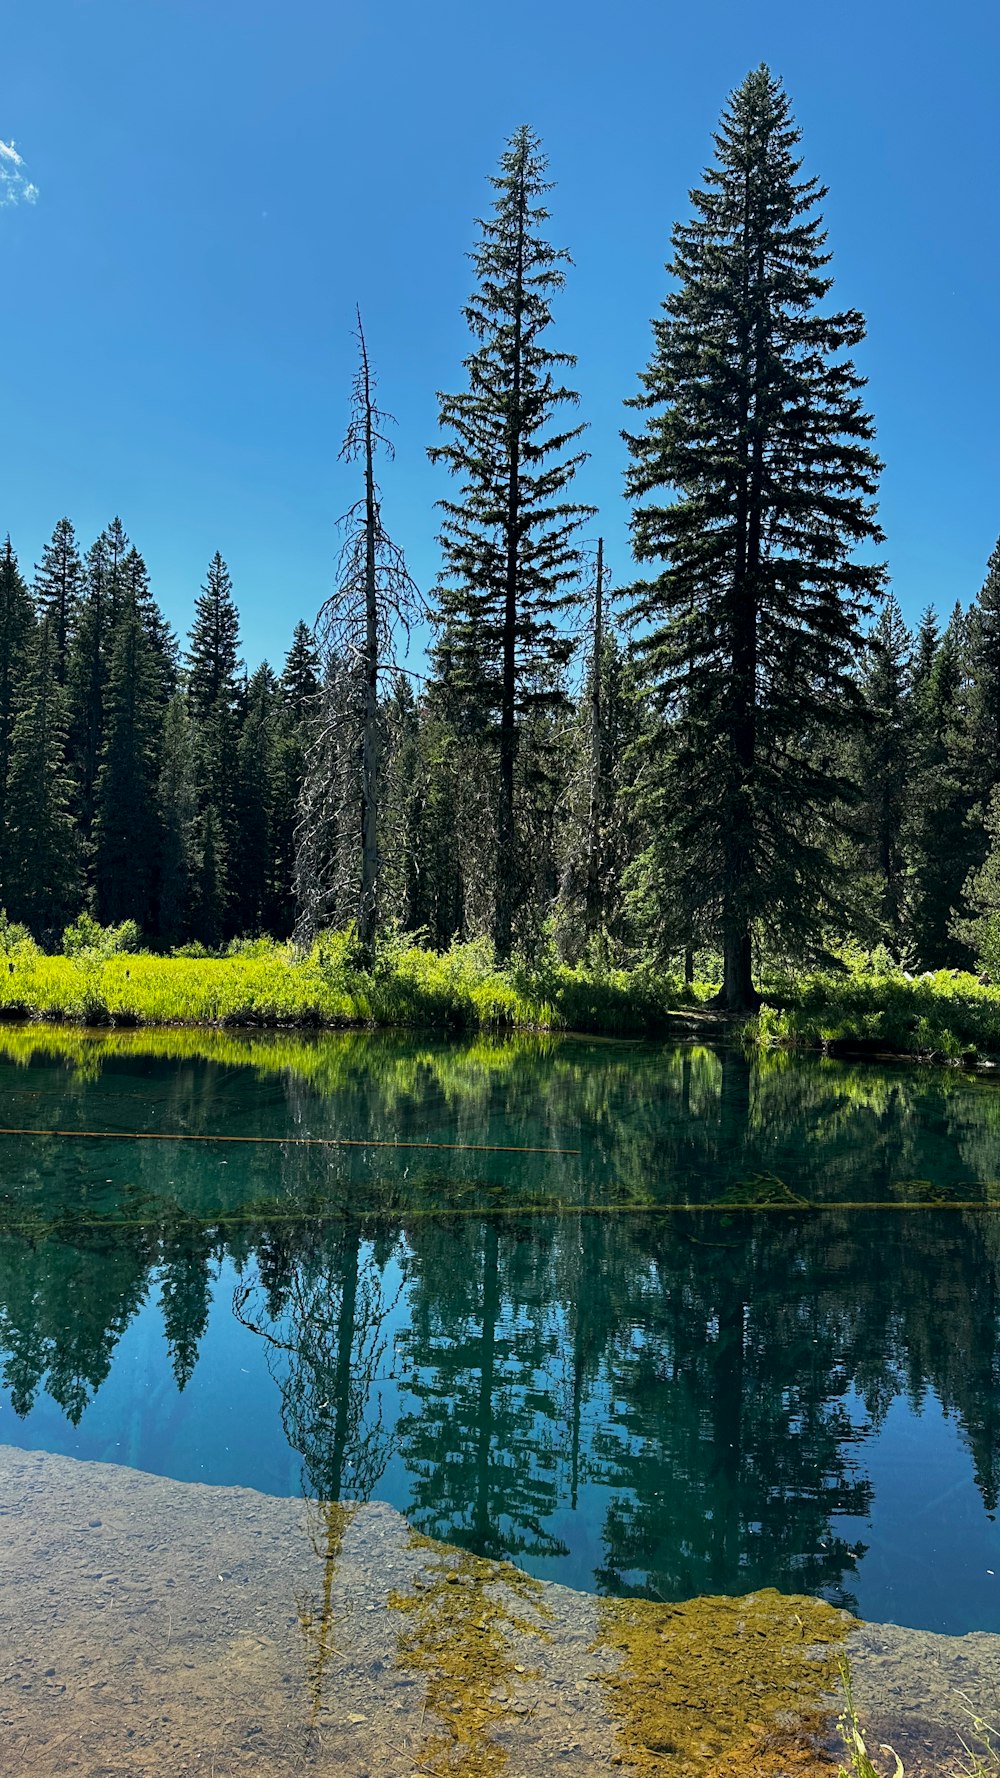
216 183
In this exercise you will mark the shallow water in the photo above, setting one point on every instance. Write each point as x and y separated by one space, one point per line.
648 1320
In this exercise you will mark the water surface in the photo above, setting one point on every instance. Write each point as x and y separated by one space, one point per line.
646 1319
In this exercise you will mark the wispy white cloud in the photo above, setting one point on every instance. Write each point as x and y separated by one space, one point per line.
15 186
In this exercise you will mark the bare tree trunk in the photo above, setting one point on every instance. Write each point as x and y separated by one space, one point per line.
368 912
592 914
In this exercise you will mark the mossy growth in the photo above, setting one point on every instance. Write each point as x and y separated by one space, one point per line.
725 1688
762 1190
468 1629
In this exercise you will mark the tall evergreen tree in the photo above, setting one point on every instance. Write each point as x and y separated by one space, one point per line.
16 624
509 537
126 827
943 840
984 667
885 760
41 876
214 697
87 673
299 686
58 580
177 800
300 674
256 789
213 655
757 481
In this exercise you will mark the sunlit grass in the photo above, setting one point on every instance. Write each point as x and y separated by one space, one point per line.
462 989
947 1015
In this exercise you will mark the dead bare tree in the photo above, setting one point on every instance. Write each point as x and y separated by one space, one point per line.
337 842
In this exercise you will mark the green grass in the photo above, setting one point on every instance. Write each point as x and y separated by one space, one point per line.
943 1017
268 985
947 1016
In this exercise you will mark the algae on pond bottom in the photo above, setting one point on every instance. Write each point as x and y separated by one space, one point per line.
724 1688
468 1624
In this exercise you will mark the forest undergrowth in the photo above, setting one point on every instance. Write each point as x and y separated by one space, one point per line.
862 1003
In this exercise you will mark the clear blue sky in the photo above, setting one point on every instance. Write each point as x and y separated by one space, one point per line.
215 183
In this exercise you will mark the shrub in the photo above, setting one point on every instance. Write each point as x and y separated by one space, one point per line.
86 936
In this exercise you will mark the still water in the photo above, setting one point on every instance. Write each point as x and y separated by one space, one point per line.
646 1319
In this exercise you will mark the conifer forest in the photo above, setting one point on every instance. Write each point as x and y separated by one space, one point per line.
732 748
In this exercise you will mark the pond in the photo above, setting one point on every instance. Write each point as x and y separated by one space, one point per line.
649 1321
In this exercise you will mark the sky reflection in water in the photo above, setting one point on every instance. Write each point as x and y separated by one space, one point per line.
532 1355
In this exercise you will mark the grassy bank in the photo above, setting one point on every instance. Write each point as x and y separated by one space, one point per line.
943 1017
947 1016
462 990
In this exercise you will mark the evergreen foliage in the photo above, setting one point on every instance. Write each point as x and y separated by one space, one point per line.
41 874
16 624
885 762
214 701
126 826
754 769
980 929
58 579
754 480
509 536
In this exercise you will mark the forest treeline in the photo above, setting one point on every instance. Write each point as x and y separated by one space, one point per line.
743 752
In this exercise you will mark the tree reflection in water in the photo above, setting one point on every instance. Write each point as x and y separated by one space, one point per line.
530 1354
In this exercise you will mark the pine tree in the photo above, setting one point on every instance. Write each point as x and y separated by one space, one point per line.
86 677
256 780
758 482
984 666
925 651
300 674
58 581
177 801
118 551
164 654
885 761
374 598
446 823
299 686
126 826
509 538
41 876
16 624
213 655
979 928
211 898
213 693
943 840
602 841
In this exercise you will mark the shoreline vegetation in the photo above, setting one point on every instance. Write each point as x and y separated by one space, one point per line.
864 1006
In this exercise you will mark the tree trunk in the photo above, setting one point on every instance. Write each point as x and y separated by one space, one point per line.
368 912
737 993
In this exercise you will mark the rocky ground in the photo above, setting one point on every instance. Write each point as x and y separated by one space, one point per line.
150 1627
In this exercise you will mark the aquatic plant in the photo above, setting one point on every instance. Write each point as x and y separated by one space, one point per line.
722 1684
861 1765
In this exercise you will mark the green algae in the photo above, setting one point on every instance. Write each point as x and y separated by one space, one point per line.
724 1688
468 1626
764 1191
